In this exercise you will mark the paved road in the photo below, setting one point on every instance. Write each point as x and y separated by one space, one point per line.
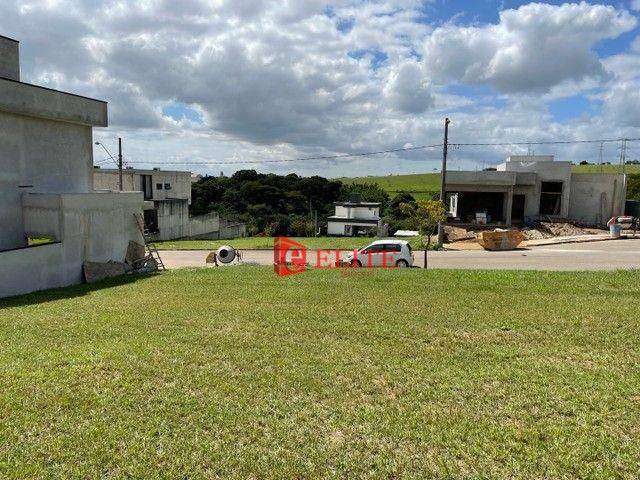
607 255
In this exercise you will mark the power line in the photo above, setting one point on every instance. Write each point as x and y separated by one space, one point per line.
303 159
382 152
549 142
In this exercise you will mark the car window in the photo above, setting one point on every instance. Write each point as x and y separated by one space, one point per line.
391 247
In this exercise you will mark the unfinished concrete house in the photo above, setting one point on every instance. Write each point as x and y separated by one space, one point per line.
534 187
46 186
167 196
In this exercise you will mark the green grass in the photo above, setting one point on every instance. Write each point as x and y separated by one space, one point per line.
33 241
605 168
423 185
237 373
342 243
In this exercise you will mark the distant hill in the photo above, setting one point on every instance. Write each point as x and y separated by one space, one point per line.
424 185
420 185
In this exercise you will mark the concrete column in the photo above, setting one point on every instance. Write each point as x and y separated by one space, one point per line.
9 58
508 206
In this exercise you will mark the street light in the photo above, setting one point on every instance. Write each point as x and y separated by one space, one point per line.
118 163
108 152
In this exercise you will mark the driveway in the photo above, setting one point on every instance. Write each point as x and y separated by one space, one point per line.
605 255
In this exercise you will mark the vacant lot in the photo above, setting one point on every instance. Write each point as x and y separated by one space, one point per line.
234 372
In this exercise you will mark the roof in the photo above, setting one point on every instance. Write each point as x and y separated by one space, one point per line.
42 102
9 38
52 89
357 204
371 220
142 171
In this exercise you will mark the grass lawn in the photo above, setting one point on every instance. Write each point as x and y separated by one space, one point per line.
421 185
237 373
341 243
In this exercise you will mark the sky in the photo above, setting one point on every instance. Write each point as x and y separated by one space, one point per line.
220 85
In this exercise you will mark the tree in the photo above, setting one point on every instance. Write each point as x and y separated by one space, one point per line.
267 203
633 186
426 215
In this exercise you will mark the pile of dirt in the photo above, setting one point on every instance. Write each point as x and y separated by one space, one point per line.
457 234
534 234
544 230
537 231
562 229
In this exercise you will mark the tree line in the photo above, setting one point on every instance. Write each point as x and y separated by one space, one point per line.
272 205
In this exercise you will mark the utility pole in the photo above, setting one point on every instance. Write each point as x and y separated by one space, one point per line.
119 163
623 155
443 177
600 157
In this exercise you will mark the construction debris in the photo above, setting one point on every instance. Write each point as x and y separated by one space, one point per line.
457 234
96 271
544 230
135 252
500 239
563 229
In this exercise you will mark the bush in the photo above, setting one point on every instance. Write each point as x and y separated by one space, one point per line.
633 186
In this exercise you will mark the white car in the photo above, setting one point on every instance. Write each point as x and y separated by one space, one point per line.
382 253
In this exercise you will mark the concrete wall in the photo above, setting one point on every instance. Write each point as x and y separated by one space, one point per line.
175 222
173 219
596 197
480 178
9 58
40 102
357 212
91 227
204 225
39 155
337 228
29 269
107 179
232 229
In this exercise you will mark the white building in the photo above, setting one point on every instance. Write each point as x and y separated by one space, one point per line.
536 187
46 186
167 196
354 218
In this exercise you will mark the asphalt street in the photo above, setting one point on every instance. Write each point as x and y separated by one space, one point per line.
603 255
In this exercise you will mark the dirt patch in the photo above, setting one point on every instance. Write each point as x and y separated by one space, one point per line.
558 229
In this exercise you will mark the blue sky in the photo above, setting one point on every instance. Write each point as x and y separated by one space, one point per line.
210 86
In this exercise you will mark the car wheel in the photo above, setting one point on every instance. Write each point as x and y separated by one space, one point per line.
402 264
356 263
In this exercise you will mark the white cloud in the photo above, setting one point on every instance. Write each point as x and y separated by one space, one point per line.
533 48
295 78
408 89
